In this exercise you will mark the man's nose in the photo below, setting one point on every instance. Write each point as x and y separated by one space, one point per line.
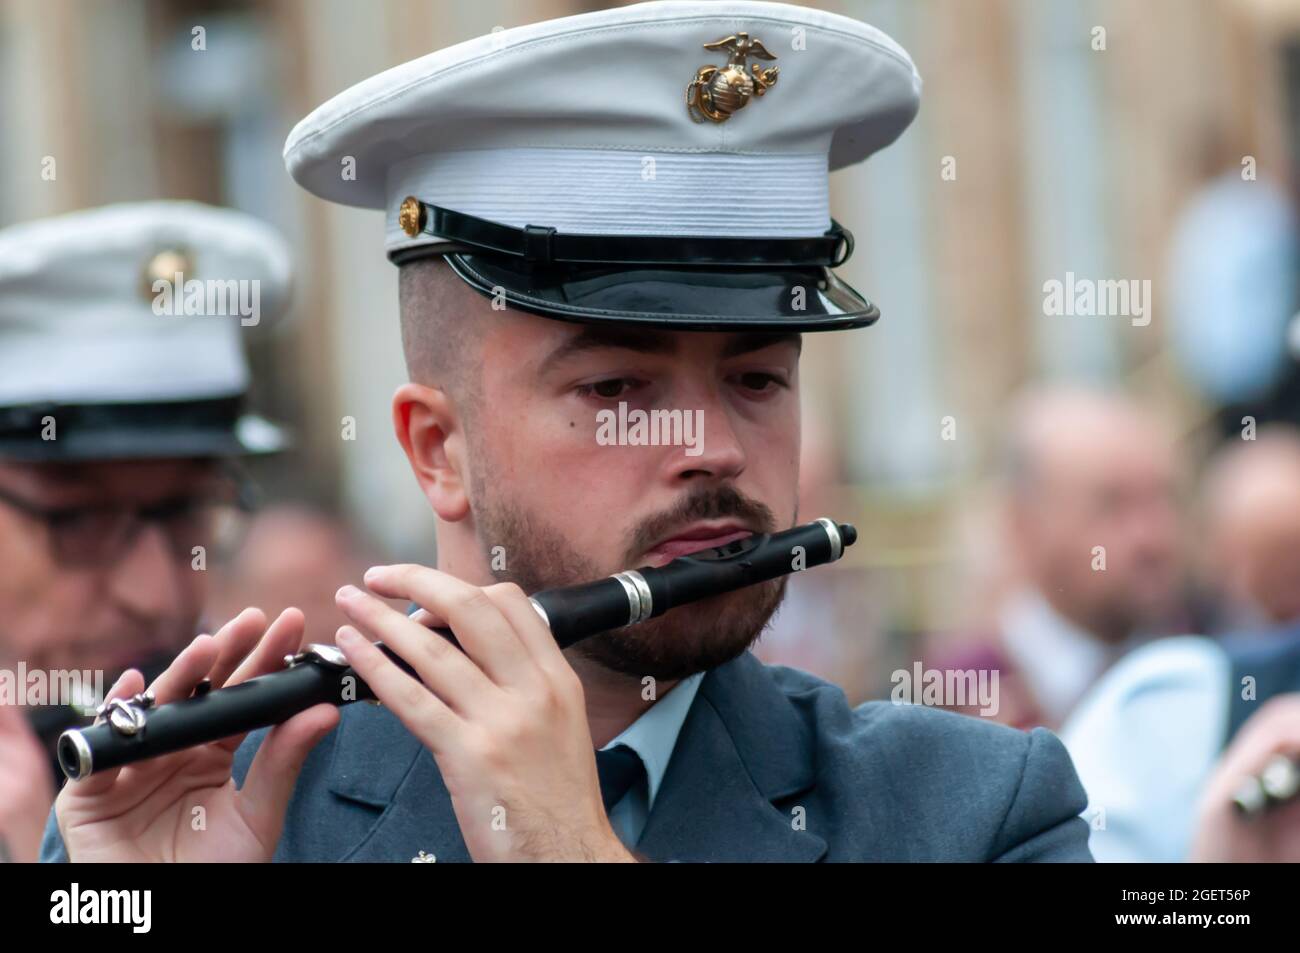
150 580
716 450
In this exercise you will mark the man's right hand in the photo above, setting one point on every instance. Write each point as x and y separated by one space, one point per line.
1222 834
184 806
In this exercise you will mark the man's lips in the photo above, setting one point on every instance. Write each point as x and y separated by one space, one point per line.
696 538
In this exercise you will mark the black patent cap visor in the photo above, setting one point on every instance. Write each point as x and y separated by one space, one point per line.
699 283
700 298
58 433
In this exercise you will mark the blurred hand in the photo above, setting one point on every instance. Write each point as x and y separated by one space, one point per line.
505 720
26 787
184 806
1222 834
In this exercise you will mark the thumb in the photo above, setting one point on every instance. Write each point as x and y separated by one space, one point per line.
274 771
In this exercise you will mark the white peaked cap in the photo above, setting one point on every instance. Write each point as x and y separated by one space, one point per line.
583 125
87 336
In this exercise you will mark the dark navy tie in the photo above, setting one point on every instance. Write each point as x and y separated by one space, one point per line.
619 769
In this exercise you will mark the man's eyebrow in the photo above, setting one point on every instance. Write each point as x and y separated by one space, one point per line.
757 340
650 341
595 337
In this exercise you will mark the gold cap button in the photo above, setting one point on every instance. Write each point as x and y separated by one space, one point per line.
411 216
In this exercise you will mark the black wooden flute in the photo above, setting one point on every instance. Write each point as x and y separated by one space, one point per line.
134 729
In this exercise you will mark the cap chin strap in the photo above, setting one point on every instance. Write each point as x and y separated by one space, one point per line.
544 245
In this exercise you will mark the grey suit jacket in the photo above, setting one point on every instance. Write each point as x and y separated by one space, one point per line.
771 765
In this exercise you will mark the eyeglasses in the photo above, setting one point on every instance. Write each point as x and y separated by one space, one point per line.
100 532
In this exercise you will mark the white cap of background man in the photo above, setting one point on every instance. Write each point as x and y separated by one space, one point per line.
120 332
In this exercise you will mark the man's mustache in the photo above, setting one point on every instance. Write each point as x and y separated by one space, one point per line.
721 502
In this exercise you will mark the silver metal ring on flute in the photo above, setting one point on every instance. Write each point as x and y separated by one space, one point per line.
541 612
647 599
833 532
639 601
85 758
633 597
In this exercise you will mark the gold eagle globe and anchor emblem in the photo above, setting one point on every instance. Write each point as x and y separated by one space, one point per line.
165 266
718 91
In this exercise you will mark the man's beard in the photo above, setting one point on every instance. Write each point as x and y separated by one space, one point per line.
689 639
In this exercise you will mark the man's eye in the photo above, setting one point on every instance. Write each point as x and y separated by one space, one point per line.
79 519
179 508
607 389
758 381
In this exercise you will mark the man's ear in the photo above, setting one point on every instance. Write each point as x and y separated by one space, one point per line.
428 428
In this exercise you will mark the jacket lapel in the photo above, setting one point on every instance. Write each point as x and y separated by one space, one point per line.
380 764
742 748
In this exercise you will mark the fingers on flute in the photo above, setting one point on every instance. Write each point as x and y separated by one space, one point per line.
274 772
130 682
425 618
439 665
236 639
532 631
415 705
215 655
186 670
384 586
480 627
284 637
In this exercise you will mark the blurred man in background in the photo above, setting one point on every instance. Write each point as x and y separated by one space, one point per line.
291 555
115 411
1251 510
1173 733
1092 526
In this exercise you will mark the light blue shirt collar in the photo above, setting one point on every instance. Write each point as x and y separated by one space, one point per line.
654 735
